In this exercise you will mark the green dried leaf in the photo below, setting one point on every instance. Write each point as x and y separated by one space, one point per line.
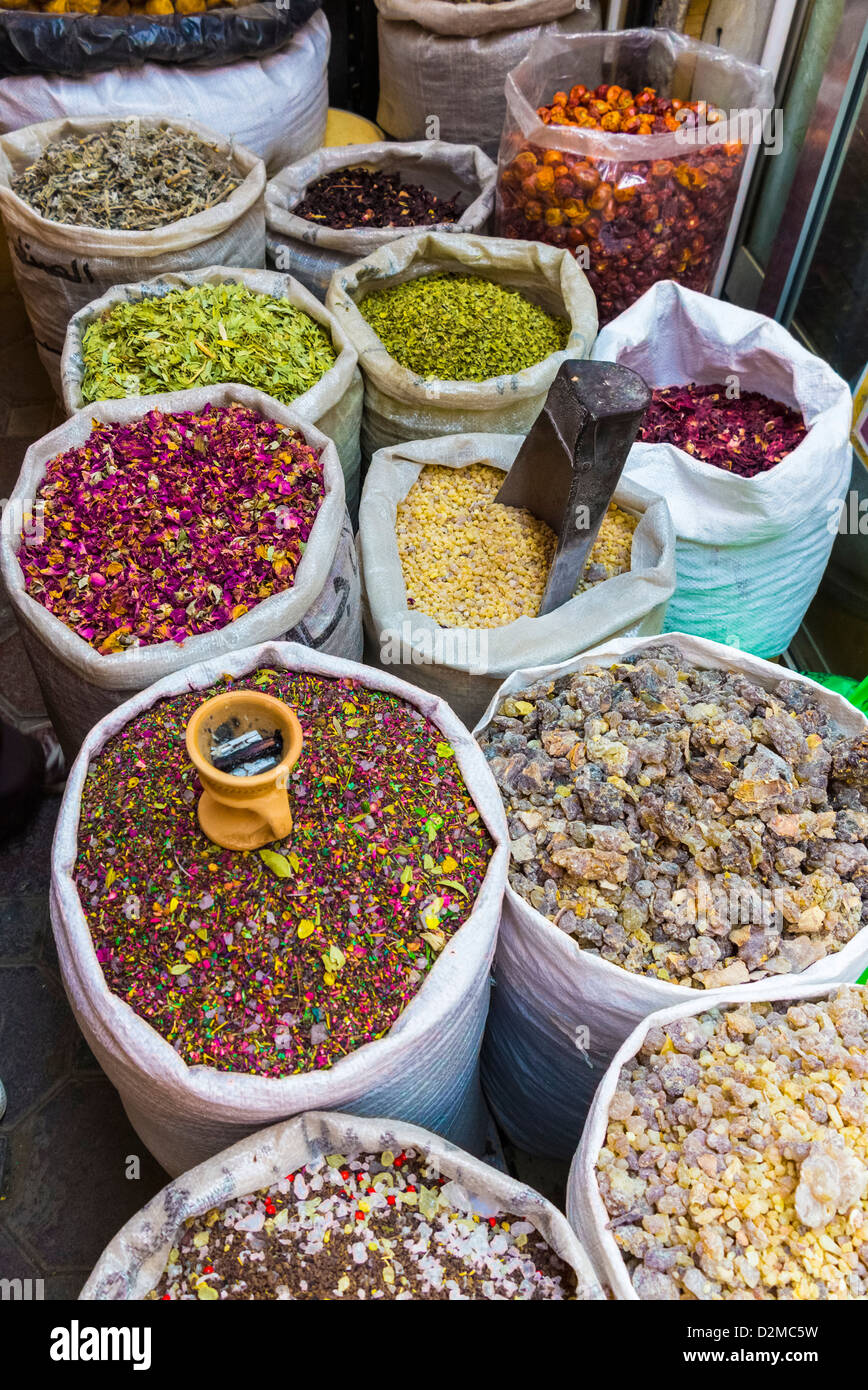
277 863
201 336
452 883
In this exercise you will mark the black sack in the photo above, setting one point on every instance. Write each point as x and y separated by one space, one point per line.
69 44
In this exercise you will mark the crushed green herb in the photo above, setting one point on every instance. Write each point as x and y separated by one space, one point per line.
127 178
201 336
462 327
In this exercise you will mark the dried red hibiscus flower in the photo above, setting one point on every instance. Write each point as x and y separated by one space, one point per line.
172 525
747 434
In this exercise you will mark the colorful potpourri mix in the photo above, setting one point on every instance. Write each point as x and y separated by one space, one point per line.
637 221
200 336
285 959
735 1163
127 178
746 434
462 327
683 823
359 197
367 1226
173 525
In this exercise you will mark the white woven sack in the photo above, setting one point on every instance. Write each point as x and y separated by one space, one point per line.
78 684
751 551
425 1069
399 405
274 106
539 1068
59 268
449 61
132 1263
467 665
312 253
333 404
585 1207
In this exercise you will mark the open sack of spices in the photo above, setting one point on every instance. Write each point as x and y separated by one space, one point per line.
452 580
161 533
748 439
330 1206
343 965
273 101
683 818
450 58
218 325
628 148
92 203
726 1152
340 204
460 333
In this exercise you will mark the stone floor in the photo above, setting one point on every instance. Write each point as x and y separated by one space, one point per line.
64 1140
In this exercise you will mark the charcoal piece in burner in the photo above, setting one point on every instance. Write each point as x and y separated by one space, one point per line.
248 754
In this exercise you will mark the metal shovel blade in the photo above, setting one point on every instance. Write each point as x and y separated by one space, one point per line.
569 465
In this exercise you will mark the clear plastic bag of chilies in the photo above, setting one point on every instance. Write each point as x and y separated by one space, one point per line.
634 207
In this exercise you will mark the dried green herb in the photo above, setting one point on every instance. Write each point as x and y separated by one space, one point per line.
462 327
201 336
127 179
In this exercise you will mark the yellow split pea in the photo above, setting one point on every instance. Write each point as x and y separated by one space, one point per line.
468 561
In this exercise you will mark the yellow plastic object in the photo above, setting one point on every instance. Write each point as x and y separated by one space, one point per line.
346 128
244 813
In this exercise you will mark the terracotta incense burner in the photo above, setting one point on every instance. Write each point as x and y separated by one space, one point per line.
229 738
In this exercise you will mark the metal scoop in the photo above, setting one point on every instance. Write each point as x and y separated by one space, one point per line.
569 465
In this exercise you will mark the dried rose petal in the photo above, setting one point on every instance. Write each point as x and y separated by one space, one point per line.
747 435
172 525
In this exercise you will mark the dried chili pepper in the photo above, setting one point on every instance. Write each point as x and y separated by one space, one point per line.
630 222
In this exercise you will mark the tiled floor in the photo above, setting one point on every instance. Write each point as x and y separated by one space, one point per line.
65 1140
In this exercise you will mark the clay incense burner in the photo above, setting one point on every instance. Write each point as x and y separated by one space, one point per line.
229 738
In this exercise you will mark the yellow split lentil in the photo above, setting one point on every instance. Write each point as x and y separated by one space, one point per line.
470 561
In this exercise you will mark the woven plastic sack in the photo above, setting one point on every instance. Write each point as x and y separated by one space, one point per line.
559 1014
399 405
751 551
33 41
275 105
467 665
132 1263
448 60
333 404
585 1207
322 608
670 196
425 1069
312 252
59 268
